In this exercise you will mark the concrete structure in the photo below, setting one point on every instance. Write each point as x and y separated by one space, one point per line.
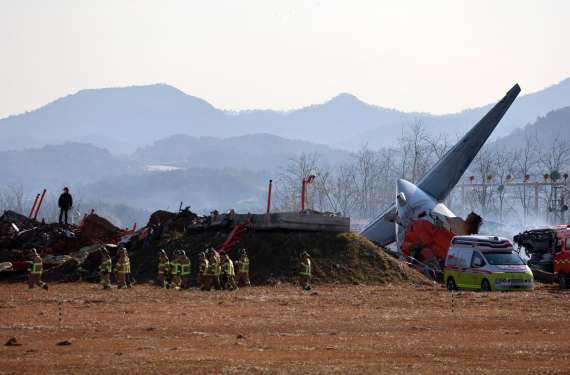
299 221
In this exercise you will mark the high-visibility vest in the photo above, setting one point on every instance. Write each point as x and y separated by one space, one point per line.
163 266
218 269
185 267
305 268
229 268
174 267
244 265
37 267
123 266
213 269
106 265
203 266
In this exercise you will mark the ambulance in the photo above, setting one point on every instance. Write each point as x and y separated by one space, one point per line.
485 263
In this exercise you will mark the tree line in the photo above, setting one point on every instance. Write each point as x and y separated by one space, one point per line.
365 184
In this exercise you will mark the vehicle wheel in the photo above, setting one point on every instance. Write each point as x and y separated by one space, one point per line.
485 286
451 284
563 280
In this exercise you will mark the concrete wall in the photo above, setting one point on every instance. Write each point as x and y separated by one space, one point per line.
298 221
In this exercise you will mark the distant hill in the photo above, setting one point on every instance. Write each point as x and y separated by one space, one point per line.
202 188
525 110
554 125
117 118
208 172
254 152
123 119
56 166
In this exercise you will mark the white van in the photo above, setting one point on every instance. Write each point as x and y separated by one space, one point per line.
485 263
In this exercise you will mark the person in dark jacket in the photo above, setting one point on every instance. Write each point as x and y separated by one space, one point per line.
65 202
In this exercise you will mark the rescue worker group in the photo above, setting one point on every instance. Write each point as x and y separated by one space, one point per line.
215 270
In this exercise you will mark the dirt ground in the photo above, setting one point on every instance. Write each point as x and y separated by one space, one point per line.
335 329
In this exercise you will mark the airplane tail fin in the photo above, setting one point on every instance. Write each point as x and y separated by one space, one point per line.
444 175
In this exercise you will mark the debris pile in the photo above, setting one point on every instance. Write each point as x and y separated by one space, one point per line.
65 250
188 221
72 252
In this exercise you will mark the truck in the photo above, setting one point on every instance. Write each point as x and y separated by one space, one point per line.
548 250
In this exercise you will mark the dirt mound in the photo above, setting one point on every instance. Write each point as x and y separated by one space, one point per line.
274 255
95 227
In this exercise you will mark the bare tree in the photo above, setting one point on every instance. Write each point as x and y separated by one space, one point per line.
288 186
414 151
504 169
12 198
333 190
438 146
482 167
554 155
525 160
365 174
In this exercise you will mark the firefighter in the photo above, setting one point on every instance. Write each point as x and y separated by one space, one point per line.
185 266
163 269
242 265
228 273
175 271
216 255
123 269
202 268
305 271
217 268
105 269
35 271
212 272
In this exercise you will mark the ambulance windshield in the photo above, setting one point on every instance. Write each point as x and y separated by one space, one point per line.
503 258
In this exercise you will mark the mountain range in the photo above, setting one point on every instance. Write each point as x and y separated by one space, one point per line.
133 150
124 119
254 151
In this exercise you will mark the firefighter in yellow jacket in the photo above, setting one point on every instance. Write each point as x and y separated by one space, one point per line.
305 271
242 265
185 267
105 269
202 268
35 271
228 273
175 271
123 269
213 271
163 269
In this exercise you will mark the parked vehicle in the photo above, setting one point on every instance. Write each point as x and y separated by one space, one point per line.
549 252
485 263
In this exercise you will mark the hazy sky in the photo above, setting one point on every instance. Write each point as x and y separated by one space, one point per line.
436 56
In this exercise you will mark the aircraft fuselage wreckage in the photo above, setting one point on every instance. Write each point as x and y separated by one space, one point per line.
418 211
